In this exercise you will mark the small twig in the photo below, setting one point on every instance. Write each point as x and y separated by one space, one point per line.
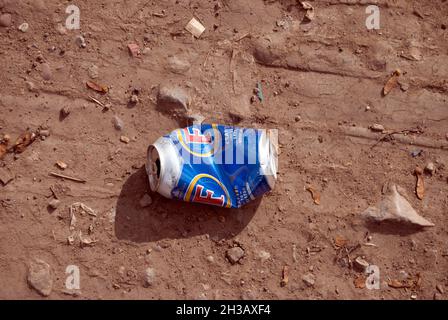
353 248
141 8
243 36
53 192
67 177
418 14
232 68
364 133
97 102
206 58
390 135
160 15
437 120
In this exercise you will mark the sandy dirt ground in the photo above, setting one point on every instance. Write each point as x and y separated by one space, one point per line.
322 82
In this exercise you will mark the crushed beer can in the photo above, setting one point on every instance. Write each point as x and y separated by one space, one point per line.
214 164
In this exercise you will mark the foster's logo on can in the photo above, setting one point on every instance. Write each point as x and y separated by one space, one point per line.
213 164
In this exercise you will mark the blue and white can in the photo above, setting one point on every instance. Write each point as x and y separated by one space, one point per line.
213 164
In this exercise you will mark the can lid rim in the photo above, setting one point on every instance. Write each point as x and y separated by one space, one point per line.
154 180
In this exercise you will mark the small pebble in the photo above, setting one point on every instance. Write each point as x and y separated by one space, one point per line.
54 204
235 254
62 165
377 127
93 71
145 201
309 279
5 20
44 133
118 123
134 99
416 153
125 139
64 112
80 41
46 71
31 86
24 27
264 255
134 50
430 168
404 86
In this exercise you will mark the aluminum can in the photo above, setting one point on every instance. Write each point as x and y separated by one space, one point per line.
213 164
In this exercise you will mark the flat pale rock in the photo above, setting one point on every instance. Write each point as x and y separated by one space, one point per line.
149 277
173 98
177 65
197 118
5 176
5 20
46 71
173 101
93 71
395 207
39 277
235 254
309 279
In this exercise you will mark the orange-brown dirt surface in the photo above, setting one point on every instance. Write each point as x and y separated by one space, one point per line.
322 82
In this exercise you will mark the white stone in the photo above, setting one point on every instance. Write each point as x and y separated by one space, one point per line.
39 277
